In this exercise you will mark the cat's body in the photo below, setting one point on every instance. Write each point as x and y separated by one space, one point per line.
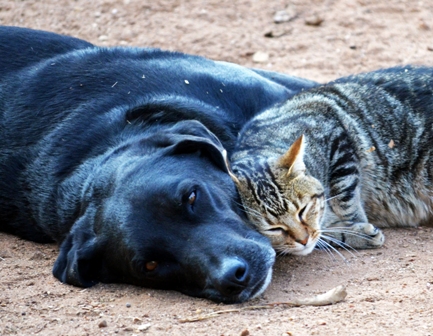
368 145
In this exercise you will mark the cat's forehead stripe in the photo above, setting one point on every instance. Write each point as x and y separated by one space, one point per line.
264 193
318 195
273 178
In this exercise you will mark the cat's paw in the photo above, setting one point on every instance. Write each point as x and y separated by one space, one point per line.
365 235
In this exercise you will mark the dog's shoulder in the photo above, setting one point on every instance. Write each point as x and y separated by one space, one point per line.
22 47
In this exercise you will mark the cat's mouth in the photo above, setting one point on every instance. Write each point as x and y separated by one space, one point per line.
286 243
302 250
298 249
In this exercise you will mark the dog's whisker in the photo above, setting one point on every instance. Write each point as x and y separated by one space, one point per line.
249 211
253 212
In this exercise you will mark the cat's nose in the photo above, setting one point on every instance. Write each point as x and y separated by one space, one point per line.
302 241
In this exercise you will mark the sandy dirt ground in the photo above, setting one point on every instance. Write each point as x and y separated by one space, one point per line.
389 290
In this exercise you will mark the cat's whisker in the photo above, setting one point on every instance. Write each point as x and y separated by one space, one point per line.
281 250
330 198
341 244
345 230
322 246
333 249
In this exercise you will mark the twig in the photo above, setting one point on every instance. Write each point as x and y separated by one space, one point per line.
332 296
40 329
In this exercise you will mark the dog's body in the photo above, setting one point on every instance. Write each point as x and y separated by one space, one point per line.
116 153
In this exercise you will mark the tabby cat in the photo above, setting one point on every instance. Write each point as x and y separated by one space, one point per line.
359 157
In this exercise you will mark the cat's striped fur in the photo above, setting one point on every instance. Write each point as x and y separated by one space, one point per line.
367 148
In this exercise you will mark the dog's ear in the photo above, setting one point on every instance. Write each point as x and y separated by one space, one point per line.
197 129
192 136
79 262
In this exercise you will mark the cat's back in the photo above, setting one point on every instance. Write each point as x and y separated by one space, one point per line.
395 79
378 104
384 117
412 85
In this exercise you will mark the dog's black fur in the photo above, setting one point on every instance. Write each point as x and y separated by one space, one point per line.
117 154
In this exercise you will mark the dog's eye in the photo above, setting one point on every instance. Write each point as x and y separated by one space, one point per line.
151 265
192 197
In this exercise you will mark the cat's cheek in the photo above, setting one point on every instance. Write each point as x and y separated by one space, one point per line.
276 240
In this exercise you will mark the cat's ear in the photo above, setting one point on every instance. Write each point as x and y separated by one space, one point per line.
229 170
293 159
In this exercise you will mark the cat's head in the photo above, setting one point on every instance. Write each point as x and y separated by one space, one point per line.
282 200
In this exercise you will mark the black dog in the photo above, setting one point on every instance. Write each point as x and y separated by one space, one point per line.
118 154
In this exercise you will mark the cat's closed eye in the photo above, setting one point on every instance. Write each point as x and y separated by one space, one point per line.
302 213
276 231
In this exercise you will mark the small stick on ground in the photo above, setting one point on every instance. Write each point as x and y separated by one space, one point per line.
332 296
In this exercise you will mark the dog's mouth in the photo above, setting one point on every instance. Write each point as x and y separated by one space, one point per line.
261 287
246 294
219 289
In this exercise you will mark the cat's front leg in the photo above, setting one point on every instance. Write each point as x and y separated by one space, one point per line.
345 220
355 235
369 236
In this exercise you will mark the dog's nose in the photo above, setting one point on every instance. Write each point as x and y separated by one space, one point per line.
234 277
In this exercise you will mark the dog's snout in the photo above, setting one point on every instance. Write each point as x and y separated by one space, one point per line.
241 272
237 271
234 276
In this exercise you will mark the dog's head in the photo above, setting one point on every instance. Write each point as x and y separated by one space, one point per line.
161 211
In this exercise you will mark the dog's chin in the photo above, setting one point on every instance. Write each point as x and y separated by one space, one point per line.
262 287
247 294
